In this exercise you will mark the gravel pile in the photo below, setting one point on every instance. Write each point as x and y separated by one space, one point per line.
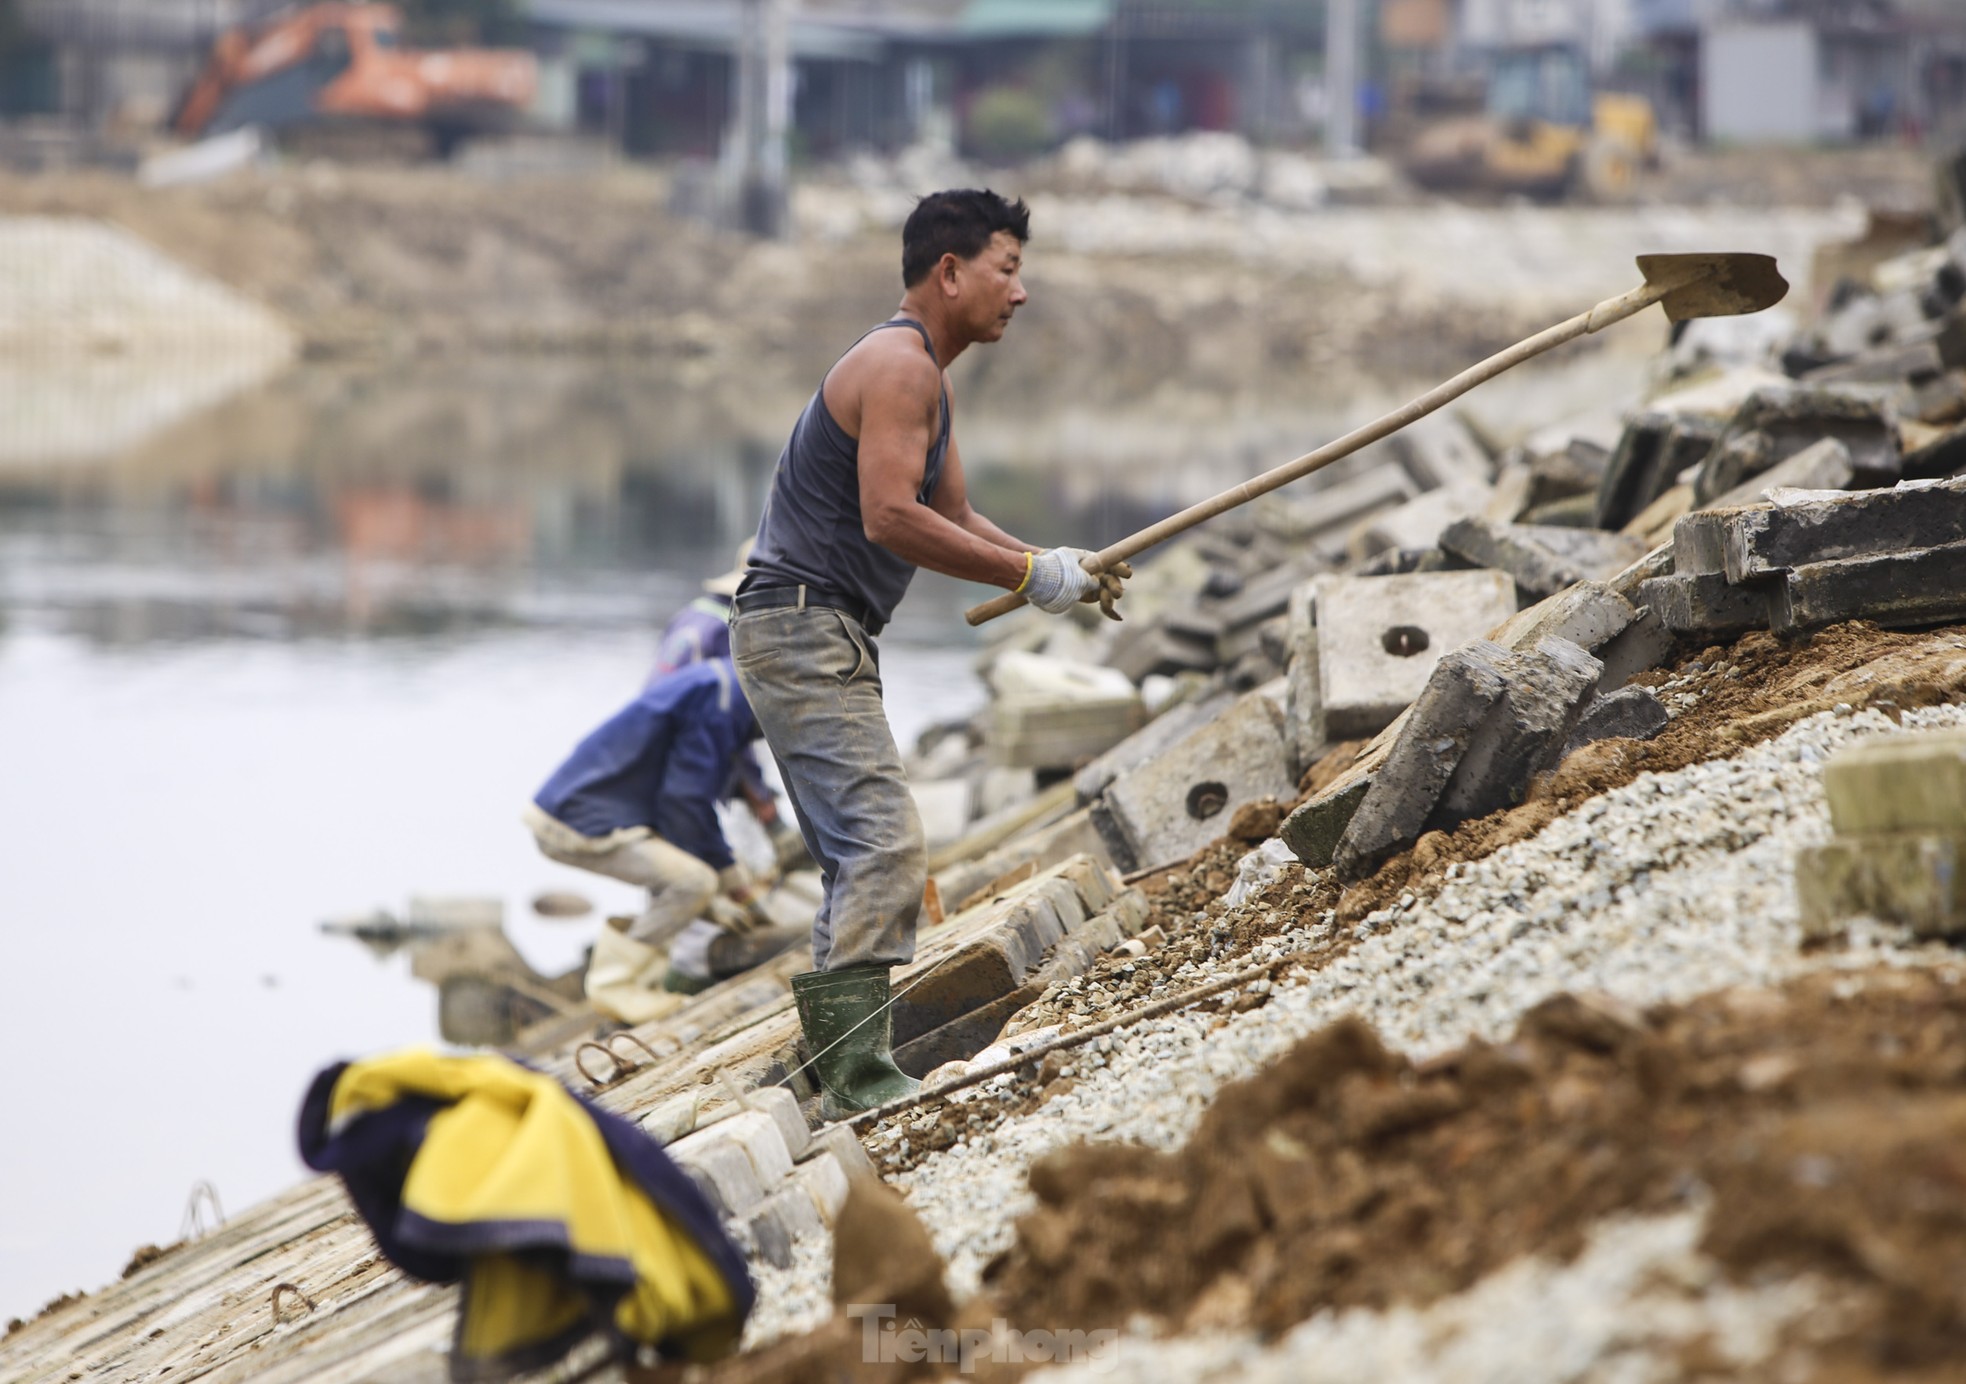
1669 887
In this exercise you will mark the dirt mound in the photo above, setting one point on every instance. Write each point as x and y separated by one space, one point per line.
1826 1121
1734 696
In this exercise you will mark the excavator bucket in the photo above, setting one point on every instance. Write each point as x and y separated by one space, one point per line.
1714 285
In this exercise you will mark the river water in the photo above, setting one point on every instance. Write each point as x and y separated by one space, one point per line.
306 653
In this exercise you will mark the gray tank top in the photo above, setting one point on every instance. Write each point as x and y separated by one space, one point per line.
811 533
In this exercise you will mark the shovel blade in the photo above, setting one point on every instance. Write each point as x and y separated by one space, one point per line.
1706 285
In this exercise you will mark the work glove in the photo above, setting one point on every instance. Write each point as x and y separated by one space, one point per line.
1057 582
737 907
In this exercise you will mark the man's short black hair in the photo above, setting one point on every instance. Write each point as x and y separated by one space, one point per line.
958 222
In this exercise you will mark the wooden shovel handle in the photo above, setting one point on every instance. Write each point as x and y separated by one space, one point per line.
1603 315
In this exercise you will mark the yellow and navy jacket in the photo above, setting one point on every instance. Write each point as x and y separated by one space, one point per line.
557 1218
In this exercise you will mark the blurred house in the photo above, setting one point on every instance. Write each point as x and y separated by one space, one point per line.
1807 71
96 65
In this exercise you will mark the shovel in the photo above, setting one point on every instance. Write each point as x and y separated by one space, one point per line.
1687 286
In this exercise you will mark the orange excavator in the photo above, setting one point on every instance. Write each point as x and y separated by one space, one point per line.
343 64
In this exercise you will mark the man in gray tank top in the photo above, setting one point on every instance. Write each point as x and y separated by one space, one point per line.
869 488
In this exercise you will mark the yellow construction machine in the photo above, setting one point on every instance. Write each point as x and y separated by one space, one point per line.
1544 132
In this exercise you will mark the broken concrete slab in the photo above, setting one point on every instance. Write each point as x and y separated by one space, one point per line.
1143 649
1900 590
1917 879
1589 615
1444 720
1314 518
1440 451
1165 730
1542 558
1706 605
1303 702
1765 541
1630 713
1913 782
1774 424
1313 831
1642 645
1825 465
1379 638
1655 448
1173 806
1523 733
1418 523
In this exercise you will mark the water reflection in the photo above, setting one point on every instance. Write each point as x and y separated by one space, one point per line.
413 502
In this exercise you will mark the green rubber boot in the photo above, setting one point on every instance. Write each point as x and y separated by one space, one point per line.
854 1059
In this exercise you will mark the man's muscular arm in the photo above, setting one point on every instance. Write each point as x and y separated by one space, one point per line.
951 501
898 404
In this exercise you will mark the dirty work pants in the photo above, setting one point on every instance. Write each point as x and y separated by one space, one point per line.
680 886
813 678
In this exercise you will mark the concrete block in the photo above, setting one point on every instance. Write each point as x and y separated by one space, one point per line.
1896 590
1589 615
1313 831
1036 732
1095 885
1418 523
1912 878
826 1183
1379 639
1440 451
1912 782
1707 606
974 976
1523 733
1130 910
1699 543
1631 713
1643 644
1776 423
1157 736
672 1119
1172 807
1142 649
963 1037
1542 558
1656 563
1761 542
1101 932
1465 685
722 1171
1330 511
1113 838
1303 703
782 1106
1655 449
1824 466
1915 361
843 1146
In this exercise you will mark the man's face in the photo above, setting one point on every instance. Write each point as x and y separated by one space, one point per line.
990 288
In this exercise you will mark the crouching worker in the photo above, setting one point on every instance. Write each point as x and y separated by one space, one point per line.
637 801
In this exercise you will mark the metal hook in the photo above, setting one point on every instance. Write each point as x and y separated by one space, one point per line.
621 1068
193 1227
273 1301
610 1040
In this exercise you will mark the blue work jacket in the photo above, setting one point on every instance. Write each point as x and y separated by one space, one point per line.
662 762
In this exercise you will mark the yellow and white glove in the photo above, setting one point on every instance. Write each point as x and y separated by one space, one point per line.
1057 581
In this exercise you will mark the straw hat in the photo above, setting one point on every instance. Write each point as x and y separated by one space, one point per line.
726 584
